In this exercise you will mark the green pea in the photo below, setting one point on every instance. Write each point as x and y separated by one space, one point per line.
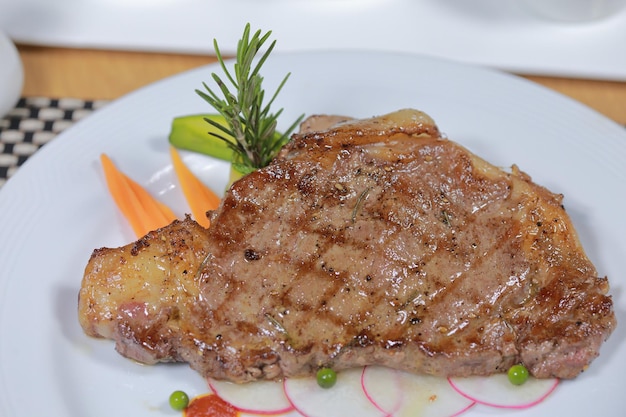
179 400
518 374
326 378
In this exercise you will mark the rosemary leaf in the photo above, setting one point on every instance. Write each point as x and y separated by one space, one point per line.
242 103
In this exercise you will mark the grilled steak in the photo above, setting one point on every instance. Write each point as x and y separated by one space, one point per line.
372 242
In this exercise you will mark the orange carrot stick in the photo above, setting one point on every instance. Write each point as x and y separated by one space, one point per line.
161 213
199 197
141 210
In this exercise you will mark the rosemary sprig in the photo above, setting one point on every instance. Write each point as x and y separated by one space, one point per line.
249 120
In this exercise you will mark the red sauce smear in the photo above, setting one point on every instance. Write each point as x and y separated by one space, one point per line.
210 405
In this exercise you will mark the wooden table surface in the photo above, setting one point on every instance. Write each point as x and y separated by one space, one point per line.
99 74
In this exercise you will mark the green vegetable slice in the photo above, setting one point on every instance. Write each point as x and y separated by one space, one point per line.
194 133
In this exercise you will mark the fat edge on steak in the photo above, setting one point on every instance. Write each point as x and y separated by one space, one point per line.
373 241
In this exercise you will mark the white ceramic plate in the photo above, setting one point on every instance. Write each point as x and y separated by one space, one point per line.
11 75
56 210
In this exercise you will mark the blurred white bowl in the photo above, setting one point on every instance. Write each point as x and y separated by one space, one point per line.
575 10
11 75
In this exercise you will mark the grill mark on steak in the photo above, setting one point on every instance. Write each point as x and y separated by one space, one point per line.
373 242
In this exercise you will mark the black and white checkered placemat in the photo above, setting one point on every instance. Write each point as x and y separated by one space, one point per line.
34 122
